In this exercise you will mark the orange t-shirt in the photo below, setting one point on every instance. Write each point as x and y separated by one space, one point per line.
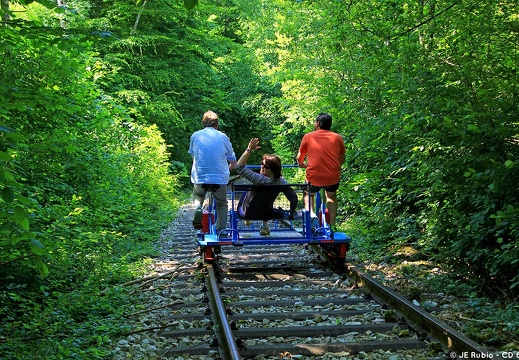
322 149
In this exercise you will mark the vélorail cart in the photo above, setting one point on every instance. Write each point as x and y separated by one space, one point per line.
303 229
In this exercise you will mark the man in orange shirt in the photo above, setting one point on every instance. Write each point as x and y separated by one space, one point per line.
324 151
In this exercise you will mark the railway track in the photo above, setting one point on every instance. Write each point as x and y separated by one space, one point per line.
278 302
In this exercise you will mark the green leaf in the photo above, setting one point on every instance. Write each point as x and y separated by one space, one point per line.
44 270
5 156
5 129
19 213
24 200
37 247
189 4
8 194
24 224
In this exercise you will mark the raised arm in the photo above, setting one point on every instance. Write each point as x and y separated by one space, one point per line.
246 173
253 145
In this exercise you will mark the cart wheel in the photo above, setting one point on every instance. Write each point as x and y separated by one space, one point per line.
208 254
341 253
337 252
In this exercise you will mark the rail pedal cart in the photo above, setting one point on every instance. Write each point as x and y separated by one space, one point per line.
301 230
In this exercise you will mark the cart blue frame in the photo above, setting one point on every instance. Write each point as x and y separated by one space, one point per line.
334 244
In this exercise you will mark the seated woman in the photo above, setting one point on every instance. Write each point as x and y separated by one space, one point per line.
259 205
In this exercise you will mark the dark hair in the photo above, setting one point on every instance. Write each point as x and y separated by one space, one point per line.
325 121
274 164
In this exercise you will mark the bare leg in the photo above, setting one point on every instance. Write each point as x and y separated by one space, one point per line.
309 203
331 204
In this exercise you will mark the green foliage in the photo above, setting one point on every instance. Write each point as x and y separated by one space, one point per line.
99 100
18 242
85 189
172 66
425 96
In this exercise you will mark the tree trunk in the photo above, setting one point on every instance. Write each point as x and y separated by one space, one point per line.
138 17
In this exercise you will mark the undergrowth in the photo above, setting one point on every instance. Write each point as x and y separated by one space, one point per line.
77 310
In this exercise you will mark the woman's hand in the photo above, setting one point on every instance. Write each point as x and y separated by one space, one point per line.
254 144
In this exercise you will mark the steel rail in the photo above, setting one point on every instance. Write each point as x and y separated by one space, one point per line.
220 317
438 330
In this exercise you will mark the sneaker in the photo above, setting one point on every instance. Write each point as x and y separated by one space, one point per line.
264 231
197 219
